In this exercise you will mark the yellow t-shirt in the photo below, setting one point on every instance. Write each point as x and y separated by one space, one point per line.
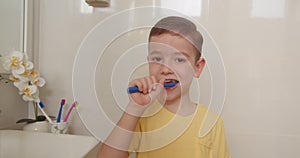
165 134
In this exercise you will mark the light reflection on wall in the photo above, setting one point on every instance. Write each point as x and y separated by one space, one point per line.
268 8
85 8
188 7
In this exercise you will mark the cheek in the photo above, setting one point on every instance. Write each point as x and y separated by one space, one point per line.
186 78
186 75
153 69
184 71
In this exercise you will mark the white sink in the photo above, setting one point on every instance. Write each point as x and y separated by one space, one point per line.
16 144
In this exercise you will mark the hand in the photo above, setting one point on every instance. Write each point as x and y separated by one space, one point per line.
149 89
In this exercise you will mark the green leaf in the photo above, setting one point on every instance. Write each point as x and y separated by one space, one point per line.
25 120
40 118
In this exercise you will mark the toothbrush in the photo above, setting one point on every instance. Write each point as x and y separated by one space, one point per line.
62 103
136 89
41 106
69 111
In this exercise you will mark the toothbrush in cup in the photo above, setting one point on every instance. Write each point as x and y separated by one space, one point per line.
41 106
70 110
62 103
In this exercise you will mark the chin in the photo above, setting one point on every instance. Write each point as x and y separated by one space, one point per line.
172 97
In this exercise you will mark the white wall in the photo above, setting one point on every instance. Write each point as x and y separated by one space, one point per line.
259 46
12 107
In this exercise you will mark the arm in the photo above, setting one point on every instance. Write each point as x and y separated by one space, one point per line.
118 142
117 137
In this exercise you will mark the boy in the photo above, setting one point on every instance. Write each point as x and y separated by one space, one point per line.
172 130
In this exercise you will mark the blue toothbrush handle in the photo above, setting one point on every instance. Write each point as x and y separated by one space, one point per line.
133 89
59 114
136 89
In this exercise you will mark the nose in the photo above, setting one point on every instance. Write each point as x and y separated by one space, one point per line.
165 69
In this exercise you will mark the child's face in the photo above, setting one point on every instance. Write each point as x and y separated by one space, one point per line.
173 58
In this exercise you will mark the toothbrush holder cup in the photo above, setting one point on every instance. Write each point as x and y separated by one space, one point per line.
59 127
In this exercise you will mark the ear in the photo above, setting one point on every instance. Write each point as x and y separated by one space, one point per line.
199 66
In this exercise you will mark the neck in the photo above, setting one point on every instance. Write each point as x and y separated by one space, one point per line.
182 106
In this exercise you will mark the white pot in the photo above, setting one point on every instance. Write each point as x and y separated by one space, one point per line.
40 126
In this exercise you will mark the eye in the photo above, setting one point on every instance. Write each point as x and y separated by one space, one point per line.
180 60
156 59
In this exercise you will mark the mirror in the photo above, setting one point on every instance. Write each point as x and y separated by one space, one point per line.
14 25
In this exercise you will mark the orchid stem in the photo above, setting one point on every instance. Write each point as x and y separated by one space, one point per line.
35 106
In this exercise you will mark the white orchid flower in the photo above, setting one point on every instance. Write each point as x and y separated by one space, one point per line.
27 76
30 93
34 78
13 61
18 82
38 81
26 63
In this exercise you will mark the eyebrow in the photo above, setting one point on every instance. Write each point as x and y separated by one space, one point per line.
176 53
184 53
154 52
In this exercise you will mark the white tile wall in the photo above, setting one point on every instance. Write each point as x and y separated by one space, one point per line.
260 48
12 107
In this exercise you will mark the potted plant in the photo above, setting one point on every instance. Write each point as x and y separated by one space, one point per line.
25 78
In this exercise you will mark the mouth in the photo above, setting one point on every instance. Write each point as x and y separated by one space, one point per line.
170 83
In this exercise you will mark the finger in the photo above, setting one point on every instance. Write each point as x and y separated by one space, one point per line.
150 84
136 83
139 84
154 80
140 98
158 93
162 81
145 85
